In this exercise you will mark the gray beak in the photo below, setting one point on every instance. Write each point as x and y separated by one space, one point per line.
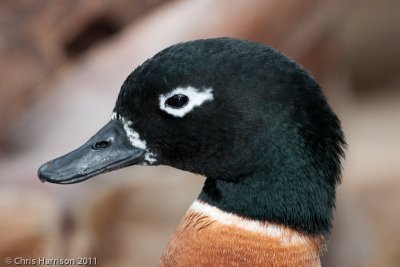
107 150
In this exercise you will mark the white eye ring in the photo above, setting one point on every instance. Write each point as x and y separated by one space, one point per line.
195 98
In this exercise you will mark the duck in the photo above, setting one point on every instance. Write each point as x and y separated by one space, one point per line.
252 121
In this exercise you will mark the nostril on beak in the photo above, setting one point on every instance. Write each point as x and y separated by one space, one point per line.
101 145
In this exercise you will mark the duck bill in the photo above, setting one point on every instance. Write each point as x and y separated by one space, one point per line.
107 150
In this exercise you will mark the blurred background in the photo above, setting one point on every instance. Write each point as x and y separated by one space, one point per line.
61 67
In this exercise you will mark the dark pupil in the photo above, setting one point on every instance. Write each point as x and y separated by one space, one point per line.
177 101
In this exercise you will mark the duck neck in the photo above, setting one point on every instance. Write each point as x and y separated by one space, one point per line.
304 205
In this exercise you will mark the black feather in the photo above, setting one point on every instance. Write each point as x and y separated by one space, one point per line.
269 144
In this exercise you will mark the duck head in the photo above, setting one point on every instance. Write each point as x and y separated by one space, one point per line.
242 114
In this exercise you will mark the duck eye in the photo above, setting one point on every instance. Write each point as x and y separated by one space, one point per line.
177 101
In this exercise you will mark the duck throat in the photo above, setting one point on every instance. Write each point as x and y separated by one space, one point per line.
302 204
208 236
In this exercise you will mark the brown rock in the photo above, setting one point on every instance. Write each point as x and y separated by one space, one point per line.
37 36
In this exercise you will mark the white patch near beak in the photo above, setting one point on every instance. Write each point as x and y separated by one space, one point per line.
134 138
196 98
